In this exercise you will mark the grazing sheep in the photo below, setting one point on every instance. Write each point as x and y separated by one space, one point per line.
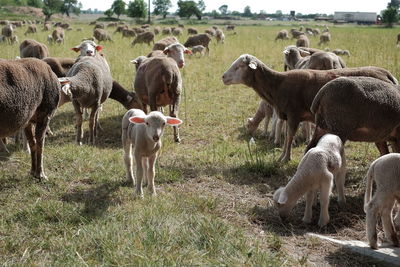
121 28
99 26
198 39
198 49
101 35
341 52
58 35
385 172
291 93
166 31
32 48
112 24
230 27
192 31
138 30
141 139
145 37
316 31
31 29
303 41
296 34
324 38
317 170
60 66
14 39
50 39
264 110
219 35
128 33
163 43
177 32
359 109
88 84
28 100
128 99
158 83
64 25
282 35
157 30
210 31
7 32
46 27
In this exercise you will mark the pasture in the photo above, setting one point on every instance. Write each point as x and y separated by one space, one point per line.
214 204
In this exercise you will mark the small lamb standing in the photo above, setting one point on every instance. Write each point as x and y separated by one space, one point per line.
385 172
143 133
317 170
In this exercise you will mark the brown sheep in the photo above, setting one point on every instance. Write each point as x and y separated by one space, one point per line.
157 30
145 37
121 28
28 101
192 31
303 41
58 35
220 36
32 48
128 33
177 31
199 39
31 29
166 31
163 43
210 31
101 35
7 32
324 38
291 93
282 35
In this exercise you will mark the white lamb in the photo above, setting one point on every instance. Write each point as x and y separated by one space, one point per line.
385 171
317 170
143 133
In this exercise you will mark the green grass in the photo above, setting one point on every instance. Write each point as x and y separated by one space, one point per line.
214 188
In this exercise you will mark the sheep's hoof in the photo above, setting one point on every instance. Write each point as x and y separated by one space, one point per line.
41 176
177 139
285 159
306 220
138 196
322 223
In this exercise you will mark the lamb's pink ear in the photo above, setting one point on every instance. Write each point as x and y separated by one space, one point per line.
187 51
173 121
99 48
137 119
76 49
166 50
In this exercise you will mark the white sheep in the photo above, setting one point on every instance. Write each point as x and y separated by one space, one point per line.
198 49
143 133
385 172
317 170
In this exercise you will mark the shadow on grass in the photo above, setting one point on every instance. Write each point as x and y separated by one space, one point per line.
343 257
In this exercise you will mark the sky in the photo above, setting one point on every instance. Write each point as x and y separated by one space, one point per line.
300 6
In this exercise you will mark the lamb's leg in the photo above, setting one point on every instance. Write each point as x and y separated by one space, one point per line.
372 212
78 122
32 144
128 159
3 147
252 123
151 173
92 124
340 179
25 143
292 125
40 134
387 221
326 188
173 112
139 176
309 203
145 164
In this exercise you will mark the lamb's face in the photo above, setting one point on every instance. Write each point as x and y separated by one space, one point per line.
176 52
281 202
235 74
87 48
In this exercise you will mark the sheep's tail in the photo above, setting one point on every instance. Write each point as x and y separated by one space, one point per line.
369 181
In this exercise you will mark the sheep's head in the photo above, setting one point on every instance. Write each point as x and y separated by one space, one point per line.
283 203
88 48
176 52
137 61
237 71
155 123
133 101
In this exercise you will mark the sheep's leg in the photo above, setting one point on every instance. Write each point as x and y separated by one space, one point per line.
152 101
145 164
340 179
309 204
372 212
93 124
78 122
387 221
271 135
292 125
382 147
139 176
3 147
32 144
280 126
173 111
25 143
40 134
128 159
324 201
151 173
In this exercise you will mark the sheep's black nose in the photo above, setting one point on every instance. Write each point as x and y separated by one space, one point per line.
156 138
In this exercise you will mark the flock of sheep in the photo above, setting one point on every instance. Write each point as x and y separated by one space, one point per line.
317 89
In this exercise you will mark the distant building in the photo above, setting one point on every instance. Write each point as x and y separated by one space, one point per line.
355 17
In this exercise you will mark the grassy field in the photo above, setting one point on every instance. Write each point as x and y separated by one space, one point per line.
214 204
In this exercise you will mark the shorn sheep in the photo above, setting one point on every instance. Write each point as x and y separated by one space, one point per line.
385 173
291 93
28 100
141 140
88 84
359 109
317 171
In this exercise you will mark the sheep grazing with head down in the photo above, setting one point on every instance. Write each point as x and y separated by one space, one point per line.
88 84
317 171
145 37
291 93
141 139
282 35
198 39
58 35
32 48
385 172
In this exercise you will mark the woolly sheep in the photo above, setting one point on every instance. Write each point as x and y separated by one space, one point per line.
58 35
31 29
282 35
141 140
163 43
198 49
317 170
219 35
101 35
324 38
198 39
145 37
303 41
32 48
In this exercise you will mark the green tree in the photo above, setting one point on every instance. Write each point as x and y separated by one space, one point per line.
69 6
223 9
109 12
137 9
188 8
118 7
390 16
201 6
51 7
161 7
35 3
247 12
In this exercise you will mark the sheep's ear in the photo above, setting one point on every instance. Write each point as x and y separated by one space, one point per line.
134 61
187 51
137 119
253 65
173 121
99 48
76 48
166 51
65 86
